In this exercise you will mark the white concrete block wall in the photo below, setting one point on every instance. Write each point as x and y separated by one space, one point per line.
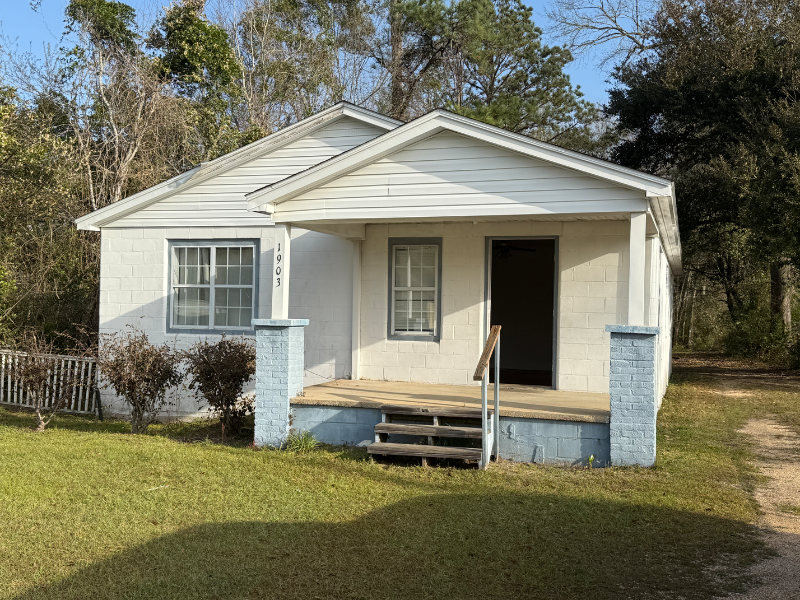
592 294
134 288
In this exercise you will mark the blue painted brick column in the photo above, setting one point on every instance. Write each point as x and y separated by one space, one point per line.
279 376
633 395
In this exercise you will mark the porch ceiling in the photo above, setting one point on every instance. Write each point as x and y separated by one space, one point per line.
515 401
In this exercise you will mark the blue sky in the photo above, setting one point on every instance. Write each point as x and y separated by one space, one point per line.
33 29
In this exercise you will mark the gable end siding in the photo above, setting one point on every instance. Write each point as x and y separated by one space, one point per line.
448 172
220 201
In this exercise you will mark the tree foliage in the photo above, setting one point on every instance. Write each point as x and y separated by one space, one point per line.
715 107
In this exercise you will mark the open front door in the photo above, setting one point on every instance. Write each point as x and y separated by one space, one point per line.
522 300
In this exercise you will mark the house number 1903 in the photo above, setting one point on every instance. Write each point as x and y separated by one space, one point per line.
278 266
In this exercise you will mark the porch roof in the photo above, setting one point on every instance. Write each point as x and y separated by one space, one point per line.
520 178
515 400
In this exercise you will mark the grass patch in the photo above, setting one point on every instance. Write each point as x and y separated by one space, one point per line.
301 441
791 509
90 511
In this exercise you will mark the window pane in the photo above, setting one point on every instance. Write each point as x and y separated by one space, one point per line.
205 266
401 267
222 256
178 268
246 275
203 304
233 257
247 256
401 304
220 270
247 298
429 256
428 276
427 311
415 256
233 275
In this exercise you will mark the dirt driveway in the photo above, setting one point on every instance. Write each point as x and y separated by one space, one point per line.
777 448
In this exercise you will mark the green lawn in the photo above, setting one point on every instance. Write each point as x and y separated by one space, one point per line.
89 511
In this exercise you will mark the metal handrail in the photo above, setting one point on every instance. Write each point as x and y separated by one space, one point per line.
491 437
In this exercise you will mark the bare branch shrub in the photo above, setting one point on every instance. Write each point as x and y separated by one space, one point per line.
140 372
219 372
35 368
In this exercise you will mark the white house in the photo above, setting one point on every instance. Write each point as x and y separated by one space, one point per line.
401 244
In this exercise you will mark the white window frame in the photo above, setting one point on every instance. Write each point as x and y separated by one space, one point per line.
212 245
394 245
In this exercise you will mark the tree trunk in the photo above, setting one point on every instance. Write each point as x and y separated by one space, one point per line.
396 74
781 291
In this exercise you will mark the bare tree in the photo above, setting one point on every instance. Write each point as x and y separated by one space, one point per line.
296 59
618 29
35 368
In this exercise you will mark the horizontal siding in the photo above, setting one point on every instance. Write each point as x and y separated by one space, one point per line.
220 201
453 175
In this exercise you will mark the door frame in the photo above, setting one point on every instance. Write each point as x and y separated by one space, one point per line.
487 290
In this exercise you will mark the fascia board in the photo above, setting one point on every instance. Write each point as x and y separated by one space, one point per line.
664 214
433 123
205 171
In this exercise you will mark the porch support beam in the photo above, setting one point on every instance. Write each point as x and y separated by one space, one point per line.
355 356
636 268
280 271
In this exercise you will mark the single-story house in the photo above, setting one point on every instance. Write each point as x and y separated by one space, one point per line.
371 257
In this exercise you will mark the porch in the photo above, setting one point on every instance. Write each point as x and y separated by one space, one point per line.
529 402
536 424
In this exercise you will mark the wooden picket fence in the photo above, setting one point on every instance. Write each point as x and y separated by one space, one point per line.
72 381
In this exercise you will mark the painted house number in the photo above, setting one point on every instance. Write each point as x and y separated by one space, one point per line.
278 266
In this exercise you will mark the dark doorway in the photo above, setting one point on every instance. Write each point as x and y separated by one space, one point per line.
522 297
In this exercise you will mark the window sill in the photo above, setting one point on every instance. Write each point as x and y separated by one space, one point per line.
413 338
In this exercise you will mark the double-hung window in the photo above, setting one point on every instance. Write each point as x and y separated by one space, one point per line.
213 285
415 282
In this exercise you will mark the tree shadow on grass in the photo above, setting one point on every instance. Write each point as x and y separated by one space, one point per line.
482 545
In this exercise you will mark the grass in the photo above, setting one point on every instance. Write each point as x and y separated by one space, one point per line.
90 511
791 509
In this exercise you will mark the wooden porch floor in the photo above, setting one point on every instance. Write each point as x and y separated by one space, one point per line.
515 400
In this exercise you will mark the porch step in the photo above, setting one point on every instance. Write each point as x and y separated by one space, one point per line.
433 411
429 430
425 451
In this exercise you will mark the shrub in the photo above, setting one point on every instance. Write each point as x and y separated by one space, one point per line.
300 442
34 367
140 372
219 373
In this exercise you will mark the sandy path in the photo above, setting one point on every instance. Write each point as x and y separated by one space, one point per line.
778 450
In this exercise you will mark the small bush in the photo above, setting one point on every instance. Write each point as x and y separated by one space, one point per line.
34 367
140 372
219 373
301 442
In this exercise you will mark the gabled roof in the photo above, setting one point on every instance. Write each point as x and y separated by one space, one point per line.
267 198
660 192
205 171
